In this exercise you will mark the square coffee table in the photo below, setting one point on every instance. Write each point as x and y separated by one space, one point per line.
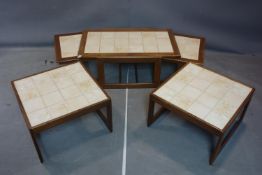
53 97
209 100
67 47
128 46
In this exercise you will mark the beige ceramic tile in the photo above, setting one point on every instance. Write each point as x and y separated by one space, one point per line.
150 44
240 90
207 75
135 45
57 73
164 45
188 47
38 117
107 35
70 92
121 45
165 93
225 108
207 100
217 120
76 103
70 45
193 69
33 104
190 92
176 85
199 110
24 84
162 35
92 44
52 98
80 76
63 82
148 34
185 77
216 90
46 87
135 48
57 110
28 94
199 83
95 96
137 35
85 86
74 68
107 45
94 34
121 35
181 101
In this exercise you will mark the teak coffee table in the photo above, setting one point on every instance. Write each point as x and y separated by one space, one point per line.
211 101
53 97
128 46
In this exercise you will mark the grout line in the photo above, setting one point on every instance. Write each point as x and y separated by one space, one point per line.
125 130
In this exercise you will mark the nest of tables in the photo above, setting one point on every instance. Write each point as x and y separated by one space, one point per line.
209 100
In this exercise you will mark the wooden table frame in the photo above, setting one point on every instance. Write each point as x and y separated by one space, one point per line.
101 73
103 58
35 131
58 53
223 135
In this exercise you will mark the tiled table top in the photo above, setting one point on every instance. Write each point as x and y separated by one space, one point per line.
188 47
207 95
128 42
125 43
52 94
69 45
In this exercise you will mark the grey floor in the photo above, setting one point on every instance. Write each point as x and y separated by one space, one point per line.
84 146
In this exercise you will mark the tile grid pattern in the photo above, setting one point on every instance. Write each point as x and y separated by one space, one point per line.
205 94
55 93
128 42
69 45
188 47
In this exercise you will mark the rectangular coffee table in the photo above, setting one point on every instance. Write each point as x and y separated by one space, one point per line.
128 46
211 101
53 97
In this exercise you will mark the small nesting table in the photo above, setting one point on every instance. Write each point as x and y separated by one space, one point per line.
211 101
67 47
128 46
53 97
191 49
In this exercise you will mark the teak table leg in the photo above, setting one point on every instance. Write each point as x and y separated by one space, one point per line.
107 120
151 116
109 116
101 72
224 139
33 136
156 75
